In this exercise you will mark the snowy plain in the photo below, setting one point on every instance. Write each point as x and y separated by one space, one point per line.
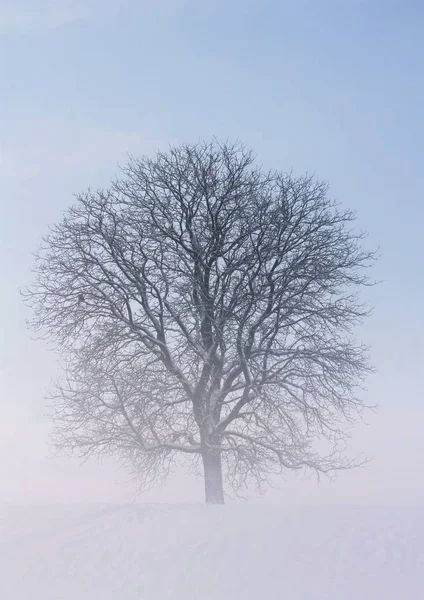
194 552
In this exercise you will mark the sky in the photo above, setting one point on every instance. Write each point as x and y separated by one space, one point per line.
332 87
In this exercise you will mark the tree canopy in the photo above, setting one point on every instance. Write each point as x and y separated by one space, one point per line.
205 309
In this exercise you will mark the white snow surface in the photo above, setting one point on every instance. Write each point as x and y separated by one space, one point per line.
241 551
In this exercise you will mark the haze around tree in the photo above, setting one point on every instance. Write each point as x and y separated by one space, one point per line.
205 311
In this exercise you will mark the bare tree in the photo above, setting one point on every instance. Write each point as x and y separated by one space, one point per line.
205 309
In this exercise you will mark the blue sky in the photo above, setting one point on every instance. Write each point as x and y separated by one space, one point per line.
334 87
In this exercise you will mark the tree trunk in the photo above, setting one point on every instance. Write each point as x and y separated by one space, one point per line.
214 488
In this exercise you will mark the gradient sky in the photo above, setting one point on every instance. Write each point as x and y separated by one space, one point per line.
334 87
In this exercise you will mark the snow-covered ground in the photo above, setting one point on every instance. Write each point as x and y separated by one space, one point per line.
161 552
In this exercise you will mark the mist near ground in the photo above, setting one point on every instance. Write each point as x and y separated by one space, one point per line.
32 474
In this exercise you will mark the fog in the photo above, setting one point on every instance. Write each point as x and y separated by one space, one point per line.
32 474
332 88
